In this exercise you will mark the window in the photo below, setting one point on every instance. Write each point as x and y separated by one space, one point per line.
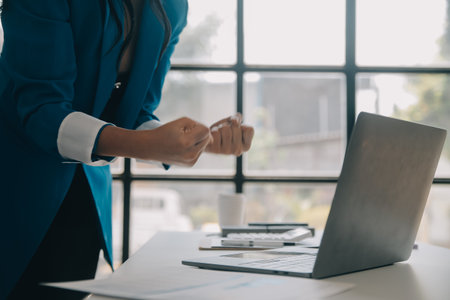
299 71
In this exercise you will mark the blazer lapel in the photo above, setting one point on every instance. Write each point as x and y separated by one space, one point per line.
145 60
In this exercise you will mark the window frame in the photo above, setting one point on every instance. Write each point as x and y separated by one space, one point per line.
349 69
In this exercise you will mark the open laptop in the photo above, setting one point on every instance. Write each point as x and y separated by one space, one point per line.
378 204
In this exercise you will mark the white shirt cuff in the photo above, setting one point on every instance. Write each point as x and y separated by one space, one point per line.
152 124
76 138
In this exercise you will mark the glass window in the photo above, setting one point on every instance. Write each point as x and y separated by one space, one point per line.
435 226
299 121
300 118
175 206
294 32
402 33
205 97
117 166
286 202
117 221
419 98
210 35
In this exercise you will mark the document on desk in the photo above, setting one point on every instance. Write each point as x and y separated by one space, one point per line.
156 272
191 283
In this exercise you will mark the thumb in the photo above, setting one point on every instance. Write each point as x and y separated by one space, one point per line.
197 131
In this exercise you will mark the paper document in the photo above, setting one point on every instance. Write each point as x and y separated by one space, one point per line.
203 284
156 272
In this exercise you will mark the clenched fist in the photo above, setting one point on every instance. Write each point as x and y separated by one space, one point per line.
230 136
180 142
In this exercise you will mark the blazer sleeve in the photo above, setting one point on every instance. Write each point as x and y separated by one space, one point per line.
40 59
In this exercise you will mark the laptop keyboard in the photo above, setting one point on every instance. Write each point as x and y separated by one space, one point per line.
303 263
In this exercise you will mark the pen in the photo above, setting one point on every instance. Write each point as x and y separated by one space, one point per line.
256 243
276 224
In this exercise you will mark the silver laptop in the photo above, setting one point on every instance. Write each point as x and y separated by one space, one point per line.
377 207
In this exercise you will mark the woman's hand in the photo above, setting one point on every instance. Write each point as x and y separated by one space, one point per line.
230 136
179 142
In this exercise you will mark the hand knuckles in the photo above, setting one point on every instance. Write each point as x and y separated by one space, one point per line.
216 138
226 134
185 120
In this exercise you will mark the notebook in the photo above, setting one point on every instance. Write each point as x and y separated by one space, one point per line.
379 200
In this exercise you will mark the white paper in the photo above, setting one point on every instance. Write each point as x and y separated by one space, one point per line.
156 272
190 283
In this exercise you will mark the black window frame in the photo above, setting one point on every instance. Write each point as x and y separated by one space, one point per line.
349 69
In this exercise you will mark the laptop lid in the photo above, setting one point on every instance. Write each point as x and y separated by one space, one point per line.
381 193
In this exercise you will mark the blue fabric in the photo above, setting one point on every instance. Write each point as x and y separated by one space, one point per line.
95 157
60 57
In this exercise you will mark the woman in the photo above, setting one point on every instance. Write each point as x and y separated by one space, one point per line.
79 82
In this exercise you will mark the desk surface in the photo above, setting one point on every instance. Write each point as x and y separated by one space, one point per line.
424 276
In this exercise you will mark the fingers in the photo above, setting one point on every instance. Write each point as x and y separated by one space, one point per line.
230 137
214 146
247 137
202 138
227 121
195 152
236 138
201 145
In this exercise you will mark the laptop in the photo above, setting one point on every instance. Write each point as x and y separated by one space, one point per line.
378 204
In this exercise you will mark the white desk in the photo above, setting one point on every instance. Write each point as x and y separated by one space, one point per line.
426 275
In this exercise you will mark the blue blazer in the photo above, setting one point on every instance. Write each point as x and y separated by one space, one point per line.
60 57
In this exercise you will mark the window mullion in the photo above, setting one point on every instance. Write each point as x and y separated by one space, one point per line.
127 178
350 63
240 69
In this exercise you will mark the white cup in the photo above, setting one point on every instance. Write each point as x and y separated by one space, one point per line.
231 207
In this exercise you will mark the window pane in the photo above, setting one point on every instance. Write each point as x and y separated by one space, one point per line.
402 33
298 32
117 166
299 122
311 203
435 226
419 98
117 221
210 35
205 97
172 206
298 202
